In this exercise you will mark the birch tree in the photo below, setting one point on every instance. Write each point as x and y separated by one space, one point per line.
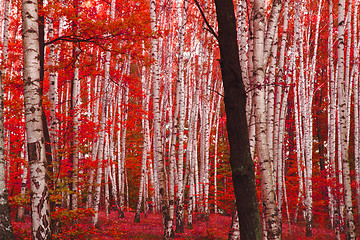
267 187
146 142
332 95
40 206
343 127
6 230
181 81
356 103
158 155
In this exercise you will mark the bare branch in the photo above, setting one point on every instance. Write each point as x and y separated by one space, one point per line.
210 29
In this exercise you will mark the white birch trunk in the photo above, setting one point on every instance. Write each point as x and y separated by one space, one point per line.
106 175
271 30
267 187
21 210
53 95
75 103
343 112
158 155
181 80
216 153
356 104
146 142
123 149
270 111
6 230
101 146
190 154
243 32
40 205
332 92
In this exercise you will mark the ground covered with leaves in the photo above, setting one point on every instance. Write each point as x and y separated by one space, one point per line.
78 226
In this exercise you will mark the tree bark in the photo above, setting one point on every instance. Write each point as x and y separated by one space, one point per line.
267 186
235 103
343 114
158 154
40 207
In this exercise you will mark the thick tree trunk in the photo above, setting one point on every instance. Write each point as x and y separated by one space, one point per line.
235 103
267 187
40 206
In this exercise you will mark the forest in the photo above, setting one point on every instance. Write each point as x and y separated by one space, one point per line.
179 119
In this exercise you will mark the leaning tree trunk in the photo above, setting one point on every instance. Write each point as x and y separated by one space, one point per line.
40 206
235 103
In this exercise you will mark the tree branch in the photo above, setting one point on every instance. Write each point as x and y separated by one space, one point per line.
210 29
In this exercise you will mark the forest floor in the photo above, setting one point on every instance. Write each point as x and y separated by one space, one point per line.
150 228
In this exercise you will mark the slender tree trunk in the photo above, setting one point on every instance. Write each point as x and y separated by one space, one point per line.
158 155
243 32
101 147
75 103
123 149
356 104
21 210
190 154
343 112
146 142
107 176
332 92
272 27
279 104
40 205
181 79
216 154
6 230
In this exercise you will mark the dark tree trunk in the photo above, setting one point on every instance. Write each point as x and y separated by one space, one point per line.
241 162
